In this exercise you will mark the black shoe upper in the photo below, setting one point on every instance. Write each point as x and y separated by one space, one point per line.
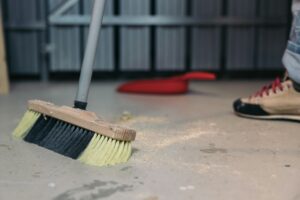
248 109
296 86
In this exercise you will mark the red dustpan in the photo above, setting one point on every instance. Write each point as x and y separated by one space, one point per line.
173 85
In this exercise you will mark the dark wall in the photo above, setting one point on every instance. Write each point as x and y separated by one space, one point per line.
149 36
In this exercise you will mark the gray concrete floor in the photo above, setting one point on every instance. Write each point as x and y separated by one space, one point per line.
188 147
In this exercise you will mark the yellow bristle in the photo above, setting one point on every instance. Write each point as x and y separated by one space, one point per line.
26 123
91 149
109 148
128 152
103 151
109 158
99 156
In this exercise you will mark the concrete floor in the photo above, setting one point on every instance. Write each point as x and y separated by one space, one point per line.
187 147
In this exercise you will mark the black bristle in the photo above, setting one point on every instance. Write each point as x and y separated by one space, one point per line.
80 138
61 142
48 133
40 129
50 141
63 138
56 132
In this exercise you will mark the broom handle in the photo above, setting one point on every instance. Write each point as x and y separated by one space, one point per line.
89 55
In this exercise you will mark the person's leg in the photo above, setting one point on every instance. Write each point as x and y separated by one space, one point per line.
281 99
291 58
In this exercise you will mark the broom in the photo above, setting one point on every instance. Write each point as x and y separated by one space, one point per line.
75 132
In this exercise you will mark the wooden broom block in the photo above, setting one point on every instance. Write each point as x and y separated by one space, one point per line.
4 81
81 118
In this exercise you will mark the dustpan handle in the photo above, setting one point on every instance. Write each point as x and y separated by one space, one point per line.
89 55
197 76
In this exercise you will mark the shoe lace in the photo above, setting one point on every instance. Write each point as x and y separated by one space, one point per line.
277 84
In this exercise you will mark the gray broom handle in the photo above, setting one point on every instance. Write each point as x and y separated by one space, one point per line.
89 55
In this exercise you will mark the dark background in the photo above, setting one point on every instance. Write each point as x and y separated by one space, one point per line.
234 38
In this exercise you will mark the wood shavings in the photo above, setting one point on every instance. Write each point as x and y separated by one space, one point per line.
126 116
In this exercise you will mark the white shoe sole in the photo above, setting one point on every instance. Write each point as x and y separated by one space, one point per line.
271 117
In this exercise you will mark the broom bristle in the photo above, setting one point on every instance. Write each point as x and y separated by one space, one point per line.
72 141
105 151
26 123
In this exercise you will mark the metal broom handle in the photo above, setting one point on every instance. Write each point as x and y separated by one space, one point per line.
89 55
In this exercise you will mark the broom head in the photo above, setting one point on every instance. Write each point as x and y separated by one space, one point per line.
75 133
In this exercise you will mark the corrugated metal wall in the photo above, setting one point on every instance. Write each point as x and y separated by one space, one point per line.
23 35
65 43
170 41
105 59
269 51
216 45
206 41
134 41
241 40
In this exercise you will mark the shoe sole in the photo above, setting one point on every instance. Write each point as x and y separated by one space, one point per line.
271 117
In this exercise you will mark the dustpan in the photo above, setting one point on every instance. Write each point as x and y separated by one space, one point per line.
172 85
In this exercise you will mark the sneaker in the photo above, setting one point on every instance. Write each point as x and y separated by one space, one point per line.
279 100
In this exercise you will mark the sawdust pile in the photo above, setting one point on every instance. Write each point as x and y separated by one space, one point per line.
158 138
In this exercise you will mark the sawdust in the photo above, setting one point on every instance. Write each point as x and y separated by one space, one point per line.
130 120
190 134
156 148
167 137
157 138
126 116
151 198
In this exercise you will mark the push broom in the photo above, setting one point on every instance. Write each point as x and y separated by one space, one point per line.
75 132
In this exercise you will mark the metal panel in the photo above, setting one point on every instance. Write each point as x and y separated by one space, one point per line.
23 53
274 9
162 35
135 41
241 40
272 40
24 48
105 54
170 41
66 45
206 41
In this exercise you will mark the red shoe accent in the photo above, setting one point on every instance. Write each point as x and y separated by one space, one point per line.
273 86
